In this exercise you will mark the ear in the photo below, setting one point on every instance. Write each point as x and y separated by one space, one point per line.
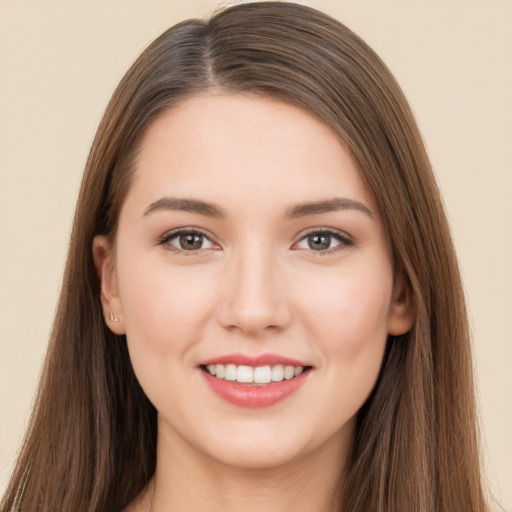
104 261
402 312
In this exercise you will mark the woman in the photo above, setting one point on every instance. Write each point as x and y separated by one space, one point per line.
261 308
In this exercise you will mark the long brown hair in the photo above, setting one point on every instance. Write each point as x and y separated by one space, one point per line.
91 444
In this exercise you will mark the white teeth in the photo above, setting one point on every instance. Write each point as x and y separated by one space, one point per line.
262 375
257 375
230 372
220 371
289 372
277 372
245 374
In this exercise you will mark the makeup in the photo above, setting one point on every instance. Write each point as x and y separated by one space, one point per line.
259 381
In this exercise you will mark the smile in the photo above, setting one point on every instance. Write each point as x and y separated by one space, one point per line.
254 381
261 375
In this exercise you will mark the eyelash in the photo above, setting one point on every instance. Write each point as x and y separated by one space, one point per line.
344 241
165 239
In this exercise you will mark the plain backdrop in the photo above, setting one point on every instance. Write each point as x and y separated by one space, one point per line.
60 61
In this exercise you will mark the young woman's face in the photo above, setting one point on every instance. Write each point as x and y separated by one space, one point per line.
250 248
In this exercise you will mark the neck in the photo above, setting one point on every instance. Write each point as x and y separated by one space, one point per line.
186 479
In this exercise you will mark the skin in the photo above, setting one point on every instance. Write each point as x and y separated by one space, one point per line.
256 285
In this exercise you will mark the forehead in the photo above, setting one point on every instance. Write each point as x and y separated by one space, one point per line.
229 148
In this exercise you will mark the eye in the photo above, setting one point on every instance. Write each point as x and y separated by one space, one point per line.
187 240
324 241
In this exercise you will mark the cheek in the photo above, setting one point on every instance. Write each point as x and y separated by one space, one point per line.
347 321
344 315
164 306
351 305
165 310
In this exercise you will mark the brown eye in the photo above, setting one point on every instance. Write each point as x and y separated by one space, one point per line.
191 241
319 241
187 241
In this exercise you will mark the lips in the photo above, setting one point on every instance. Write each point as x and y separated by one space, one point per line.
259 360
254 381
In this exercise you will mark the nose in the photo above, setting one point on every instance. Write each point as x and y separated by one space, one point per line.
254 294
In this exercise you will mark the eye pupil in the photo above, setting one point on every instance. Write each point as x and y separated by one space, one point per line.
319 241
191 241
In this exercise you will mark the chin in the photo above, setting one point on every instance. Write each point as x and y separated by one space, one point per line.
257 456
262 447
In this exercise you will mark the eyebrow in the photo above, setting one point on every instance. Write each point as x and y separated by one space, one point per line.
300 210
326 206
185 205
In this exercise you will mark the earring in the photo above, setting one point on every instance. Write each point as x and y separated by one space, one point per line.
112 318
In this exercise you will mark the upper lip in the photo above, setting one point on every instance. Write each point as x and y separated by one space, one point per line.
266 359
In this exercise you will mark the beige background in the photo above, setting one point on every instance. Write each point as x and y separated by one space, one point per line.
59 62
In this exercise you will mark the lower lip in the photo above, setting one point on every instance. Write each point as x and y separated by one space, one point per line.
245 395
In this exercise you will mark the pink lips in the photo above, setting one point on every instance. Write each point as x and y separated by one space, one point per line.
247 395
260 360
